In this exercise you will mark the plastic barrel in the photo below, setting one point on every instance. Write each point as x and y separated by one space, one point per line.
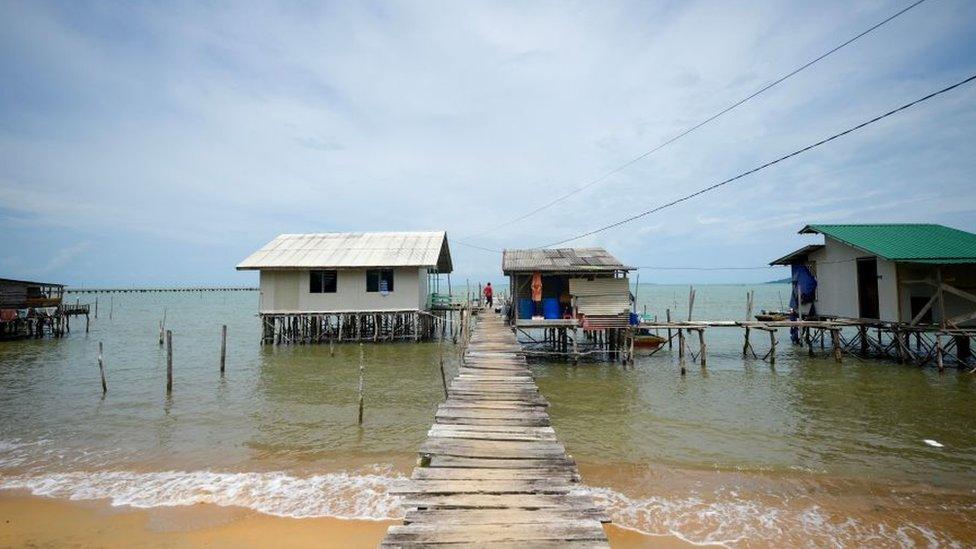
634 319
550 307
525 308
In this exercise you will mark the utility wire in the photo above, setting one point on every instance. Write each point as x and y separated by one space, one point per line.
644 155
708 268
766 165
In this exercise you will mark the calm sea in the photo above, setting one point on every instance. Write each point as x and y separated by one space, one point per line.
741 453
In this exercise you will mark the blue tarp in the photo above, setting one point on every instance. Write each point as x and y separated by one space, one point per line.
804 280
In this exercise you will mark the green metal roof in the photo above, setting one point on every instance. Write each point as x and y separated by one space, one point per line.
909 242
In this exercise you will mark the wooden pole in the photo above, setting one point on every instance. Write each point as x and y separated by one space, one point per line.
111 306
223 347
362 382
668 317
691 301
681 350
169 362
101 368
772 347
96 306
701 347
331 346
835 340
938 352
440 346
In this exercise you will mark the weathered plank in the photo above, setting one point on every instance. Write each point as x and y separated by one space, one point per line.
494 473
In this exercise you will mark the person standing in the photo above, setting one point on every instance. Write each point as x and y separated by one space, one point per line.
488 296
537 293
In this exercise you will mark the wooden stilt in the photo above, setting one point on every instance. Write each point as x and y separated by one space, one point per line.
362 379
169 362
223 347
101 369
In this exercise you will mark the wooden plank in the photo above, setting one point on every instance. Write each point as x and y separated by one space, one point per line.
485 486
471 473
565 530
493 471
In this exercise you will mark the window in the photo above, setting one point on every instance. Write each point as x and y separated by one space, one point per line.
380 280
322 282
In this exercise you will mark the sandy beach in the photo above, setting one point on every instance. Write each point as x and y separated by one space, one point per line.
27 522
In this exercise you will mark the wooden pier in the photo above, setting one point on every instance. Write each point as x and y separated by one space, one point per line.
491 471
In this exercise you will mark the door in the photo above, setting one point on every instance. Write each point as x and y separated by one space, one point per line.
867 287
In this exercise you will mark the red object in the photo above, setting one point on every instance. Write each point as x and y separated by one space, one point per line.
488 291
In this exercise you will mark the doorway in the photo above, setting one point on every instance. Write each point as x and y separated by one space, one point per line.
867 287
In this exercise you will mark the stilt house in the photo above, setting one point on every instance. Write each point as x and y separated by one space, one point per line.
580 286
902 273
349 286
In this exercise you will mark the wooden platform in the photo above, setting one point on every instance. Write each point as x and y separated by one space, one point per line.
492 471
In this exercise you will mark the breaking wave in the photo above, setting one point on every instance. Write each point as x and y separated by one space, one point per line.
340 495
724 518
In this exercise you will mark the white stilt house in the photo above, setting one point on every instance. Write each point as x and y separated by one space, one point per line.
349 286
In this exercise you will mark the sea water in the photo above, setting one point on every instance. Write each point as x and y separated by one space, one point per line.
740 453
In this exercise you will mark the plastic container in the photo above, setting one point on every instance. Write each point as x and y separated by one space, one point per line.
634 319
525 308
550 308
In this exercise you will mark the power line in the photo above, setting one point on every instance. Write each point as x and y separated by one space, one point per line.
767 164
476 247
707 268
644 155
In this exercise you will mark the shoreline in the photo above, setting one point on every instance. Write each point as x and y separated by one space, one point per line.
27 521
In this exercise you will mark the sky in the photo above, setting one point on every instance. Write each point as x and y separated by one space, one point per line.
158 144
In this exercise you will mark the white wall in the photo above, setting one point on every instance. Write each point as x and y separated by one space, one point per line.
287 291
836 272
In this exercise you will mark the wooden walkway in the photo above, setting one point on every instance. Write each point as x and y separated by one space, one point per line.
491 471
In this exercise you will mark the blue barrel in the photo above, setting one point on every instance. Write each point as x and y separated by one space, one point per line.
634 319
550 308
525 308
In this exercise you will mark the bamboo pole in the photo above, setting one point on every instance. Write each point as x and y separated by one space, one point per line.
169 362
223 347
101 368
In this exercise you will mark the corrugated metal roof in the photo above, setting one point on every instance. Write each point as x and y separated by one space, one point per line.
922 243
561 260
798 256
340 250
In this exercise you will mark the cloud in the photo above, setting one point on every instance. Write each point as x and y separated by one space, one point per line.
206 130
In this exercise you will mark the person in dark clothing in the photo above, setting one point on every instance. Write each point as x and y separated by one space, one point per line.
488 295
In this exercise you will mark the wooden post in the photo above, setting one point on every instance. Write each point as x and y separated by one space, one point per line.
96 306
668 313
101 368
169 362
362 373
691 301
223 347
111 306
938 352
681 350
746 344
86 323
440 346
835 339
701 345
772 347
331 345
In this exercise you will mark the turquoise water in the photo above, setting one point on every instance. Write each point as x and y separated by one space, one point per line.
808 451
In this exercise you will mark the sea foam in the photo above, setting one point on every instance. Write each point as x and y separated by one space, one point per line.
341 495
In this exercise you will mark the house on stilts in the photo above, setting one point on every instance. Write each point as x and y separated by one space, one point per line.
29 309
568 300
336 287
909 288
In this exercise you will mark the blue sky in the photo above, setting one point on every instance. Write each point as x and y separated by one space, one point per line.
156 144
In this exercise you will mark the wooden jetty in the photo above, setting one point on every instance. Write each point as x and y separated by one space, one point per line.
492 471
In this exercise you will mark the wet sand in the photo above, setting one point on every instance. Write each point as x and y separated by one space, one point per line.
30 521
